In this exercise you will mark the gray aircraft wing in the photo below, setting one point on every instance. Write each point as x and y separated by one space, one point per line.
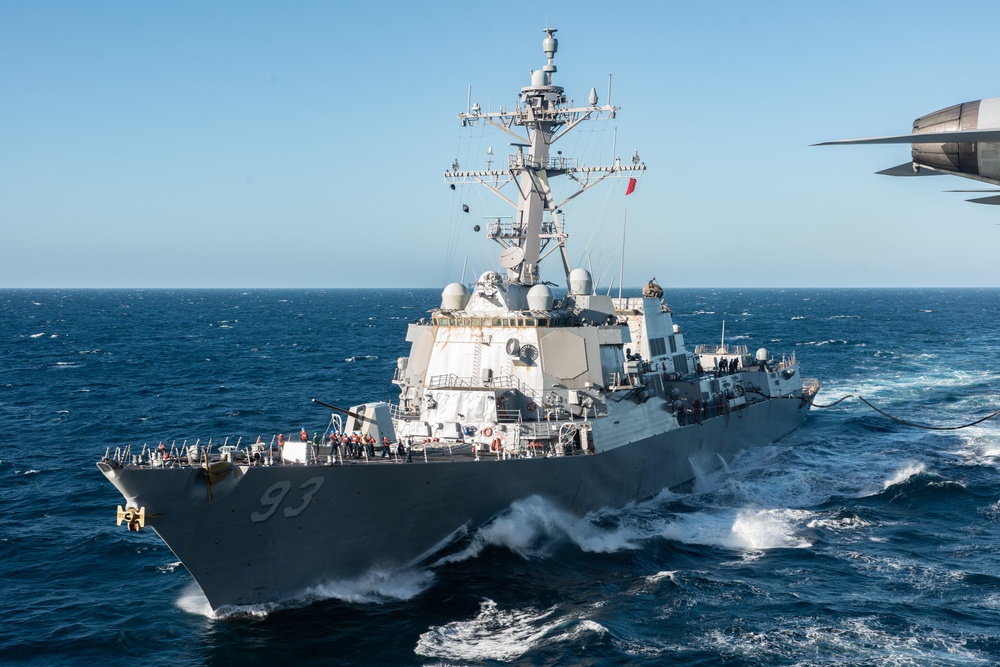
990 201
958 136
906 169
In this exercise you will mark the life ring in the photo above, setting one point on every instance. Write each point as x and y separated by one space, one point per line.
531 407
487 431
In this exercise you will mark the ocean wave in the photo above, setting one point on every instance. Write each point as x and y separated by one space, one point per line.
378 586
495 634
847 641
746 529
669 575
904 474
980 446
531 528
361 357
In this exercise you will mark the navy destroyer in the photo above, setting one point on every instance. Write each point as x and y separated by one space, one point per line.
508 392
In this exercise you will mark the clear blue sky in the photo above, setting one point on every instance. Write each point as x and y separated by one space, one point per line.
244 144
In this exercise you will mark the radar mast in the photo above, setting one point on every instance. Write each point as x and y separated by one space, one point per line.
543 112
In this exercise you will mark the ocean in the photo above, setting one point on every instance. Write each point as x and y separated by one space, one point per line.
856 540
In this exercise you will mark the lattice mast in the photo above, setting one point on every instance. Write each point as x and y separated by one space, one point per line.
543 112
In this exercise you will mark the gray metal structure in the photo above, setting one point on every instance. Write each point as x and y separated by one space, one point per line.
961 140
507 393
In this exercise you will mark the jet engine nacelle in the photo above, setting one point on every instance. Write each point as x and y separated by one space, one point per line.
973 158
961 140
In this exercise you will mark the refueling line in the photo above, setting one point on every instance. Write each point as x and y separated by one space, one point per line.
884 413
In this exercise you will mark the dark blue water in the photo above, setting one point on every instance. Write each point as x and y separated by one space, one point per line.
854 541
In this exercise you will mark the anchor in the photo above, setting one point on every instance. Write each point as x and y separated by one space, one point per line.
134 518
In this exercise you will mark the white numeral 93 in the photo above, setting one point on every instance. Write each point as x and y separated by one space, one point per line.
271 499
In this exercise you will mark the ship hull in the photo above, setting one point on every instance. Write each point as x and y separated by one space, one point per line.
264 534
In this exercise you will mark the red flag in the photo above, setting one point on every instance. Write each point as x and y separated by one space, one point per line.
631 187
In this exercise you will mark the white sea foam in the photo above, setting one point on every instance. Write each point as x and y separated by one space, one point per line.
495 634
917 574
831 341
37 335
193 601
847 641
669 575
376 587
980 446
757 529
532 527
840 523
169 567
906 472
917 384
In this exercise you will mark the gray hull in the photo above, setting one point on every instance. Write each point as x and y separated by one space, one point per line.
270 533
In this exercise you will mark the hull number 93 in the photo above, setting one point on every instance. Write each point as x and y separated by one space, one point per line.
275 494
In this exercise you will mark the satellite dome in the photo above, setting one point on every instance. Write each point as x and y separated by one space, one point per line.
455 296
540 297
580 282
761 354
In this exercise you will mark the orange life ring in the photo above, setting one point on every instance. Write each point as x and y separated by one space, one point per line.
487 431
531 407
